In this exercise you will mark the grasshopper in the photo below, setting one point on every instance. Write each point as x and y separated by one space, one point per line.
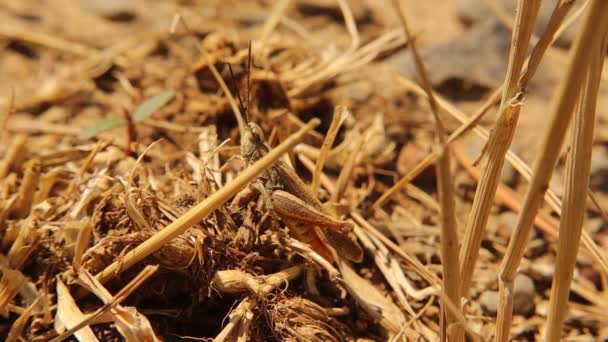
292 202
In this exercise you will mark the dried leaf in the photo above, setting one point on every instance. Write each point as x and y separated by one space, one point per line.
69 315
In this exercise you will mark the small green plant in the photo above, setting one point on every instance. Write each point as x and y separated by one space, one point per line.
142 112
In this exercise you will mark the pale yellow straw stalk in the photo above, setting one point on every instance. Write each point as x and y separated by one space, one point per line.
452 329
587 42
498 143
573 210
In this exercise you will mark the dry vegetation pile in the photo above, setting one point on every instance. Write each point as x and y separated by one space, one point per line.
128 213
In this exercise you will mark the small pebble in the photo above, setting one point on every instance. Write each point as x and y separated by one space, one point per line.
360 92
489 302
523 295
506 223
594 225
409 156
599 168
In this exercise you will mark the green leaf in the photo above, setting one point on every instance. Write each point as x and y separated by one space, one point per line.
151 105
100 126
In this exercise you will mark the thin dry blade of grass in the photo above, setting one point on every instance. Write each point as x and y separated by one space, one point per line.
577 182
345 173
69 316
498 143
340 113
445 188
204 208
31 177
587 41
427 275
20 323
550 33
349 60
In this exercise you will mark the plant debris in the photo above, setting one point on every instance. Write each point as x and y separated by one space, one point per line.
179 237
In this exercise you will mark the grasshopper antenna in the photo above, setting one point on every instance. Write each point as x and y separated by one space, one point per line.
238 93
248 99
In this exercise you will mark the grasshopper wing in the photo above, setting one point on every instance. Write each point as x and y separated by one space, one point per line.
295 209
332 231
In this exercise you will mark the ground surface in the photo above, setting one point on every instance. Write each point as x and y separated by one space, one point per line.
71 64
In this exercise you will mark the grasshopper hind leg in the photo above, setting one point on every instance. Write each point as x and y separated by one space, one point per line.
344 244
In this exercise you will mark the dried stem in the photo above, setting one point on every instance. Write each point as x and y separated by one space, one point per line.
347 170
499 142
587 42
548 37
204 208
235 281
240 319
449 229
31 177
577 181
47 40
340 113
507 197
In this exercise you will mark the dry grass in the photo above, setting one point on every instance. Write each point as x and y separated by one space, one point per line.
577 182
99 245
589 39
450 329
498 142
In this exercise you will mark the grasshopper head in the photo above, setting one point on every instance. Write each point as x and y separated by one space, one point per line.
253 145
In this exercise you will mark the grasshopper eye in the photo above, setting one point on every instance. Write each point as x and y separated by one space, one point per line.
256 130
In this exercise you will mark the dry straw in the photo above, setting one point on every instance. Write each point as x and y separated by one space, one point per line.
499 141
588 42
449 230
577 181
204 208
